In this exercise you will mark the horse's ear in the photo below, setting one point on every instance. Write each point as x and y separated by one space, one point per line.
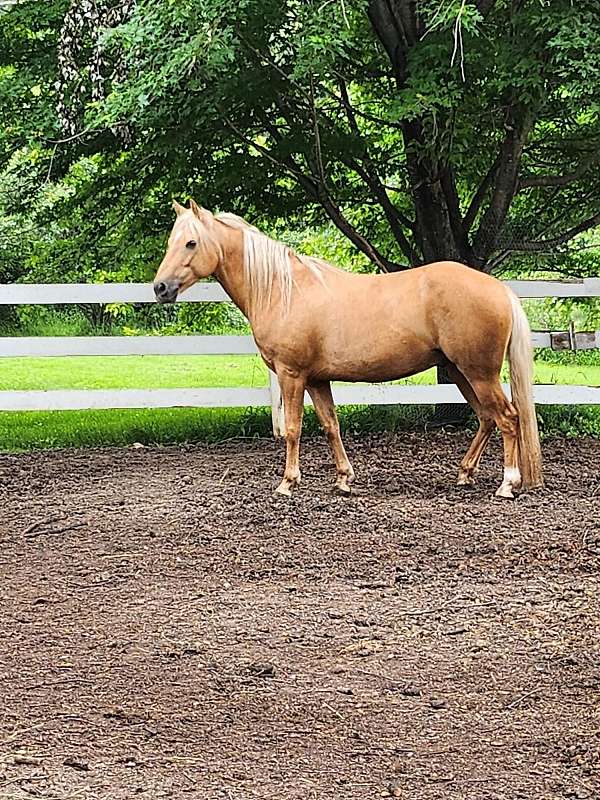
199 212
178 208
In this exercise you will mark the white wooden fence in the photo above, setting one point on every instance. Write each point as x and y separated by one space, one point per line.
368 394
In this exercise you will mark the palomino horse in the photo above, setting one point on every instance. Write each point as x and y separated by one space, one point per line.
314 323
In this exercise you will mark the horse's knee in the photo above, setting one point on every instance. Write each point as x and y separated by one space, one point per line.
508 422
331 430
292 431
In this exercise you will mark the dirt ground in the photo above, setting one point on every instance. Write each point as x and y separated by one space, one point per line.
170 629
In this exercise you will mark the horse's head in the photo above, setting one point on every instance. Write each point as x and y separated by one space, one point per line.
192 252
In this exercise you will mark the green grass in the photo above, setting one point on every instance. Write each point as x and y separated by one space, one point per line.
131 372
171 372
567 373
30 430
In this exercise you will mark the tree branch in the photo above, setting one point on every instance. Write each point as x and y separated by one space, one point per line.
557 180
317 134
358 112
497 261
434 231
294 170
448 185
318 192
369 174
392 214
556 241
479 196
505 185
366 172
337 217
404 11
390 34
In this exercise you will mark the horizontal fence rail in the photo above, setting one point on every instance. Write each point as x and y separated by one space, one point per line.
126 345
47 294
191 345
355 394
213 397
19 294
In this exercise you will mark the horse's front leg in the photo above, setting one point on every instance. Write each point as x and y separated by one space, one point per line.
292 393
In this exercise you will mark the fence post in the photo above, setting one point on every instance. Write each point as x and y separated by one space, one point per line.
277 414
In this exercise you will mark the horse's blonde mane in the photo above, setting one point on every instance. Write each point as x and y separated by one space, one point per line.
267 262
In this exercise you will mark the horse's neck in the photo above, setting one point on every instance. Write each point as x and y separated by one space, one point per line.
230 274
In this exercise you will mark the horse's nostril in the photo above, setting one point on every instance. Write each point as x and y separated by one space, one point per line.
166 291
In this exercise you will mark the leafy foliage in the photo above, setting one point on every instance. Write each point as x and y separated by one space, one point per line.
404 132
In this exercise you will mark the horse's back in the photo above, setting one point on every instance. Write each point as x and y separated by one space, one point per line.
447 277
446 292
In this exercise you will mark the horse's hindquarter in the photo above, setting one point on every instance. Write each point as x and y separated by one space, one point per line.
470 314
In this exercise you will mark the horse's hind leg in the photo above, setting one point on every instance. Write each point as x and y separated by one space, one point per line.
325 409
470 463
494 403
292 392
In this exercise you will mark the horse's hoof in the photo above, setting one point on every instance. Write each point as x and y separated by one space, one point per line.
344 479
465 480
506 492
286 486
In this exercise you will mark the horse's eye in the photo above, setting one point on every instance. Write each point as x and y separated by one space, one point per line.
191 244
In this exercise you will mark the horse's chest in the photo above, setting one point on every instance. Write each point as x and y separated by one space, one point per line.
292 347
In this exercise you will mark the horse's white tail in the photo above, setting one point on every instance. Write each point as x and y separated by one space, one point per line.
520 358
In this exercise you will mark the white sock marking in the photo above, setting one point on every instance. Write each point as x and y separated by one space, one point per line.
512 476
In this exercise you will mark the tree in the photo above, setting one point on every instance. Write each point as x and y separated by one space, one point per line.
452 129
443 129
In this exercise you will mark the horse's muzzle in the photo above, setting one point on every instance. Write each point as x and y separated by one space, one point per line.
166 291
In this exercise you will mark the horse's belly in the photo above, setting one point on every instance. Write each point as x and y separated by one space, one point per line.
372 362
